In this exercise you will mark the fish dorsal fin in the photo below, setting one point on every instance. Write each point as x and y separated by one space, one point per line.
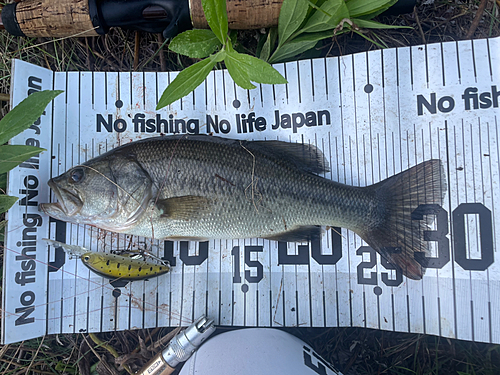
305 157
298 234
186 207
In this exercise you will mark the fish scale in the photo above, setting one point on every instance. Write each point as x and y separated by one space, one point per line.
274 186
203 187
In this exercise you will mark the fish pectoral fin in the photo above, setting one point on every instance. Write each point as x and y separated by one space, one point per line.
186 207
298 234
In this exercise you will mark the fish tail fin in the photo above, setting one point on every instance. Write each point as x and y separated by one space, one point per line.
397 234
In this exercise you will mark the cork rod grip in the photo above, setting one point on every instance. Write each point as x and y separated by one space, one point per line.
241 14
51 18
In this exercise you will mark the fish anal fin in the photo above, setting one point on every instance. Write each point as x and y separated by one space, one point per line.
185 207
298 234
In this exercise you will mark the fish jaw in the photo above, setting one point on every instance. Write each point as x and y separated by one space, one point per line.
67 206
56 211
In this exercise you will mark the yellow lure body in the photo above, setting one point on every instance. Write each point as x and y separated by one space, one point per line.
122 267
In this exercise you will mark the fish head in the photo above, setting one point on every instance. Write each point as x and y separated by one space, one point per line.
110 193
83 194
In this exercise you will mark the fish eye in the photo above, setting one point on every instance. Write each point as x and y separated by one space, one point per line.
86 258
77 175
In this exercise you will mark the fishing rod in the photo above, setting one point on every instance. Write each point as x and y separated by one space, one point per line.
65 18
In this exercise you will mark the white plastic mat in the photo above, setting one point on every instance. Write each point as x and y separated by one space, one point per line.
373 114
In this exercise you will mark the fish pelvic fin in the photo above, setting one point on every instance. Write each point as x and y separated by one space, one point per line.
399 233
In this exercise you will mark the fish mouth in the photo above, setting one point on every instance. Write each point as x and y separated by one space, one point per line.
68 202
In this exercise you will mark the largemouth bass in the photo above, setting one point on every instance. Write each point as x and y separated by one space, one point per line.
201 187
132 266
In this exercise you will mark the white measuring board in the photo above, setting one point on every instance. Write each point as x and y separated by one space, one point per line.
372 114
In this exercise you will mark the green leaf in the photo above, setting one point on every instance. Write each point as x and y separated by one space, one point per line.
299 45
367 24
292 14
13 155
319 21
362 7
6 202
23 115
314 6
239 76
216 15
269 44
256 69
369 16
291 49
186 81
195 43
64 367
93 370
315 36
219 56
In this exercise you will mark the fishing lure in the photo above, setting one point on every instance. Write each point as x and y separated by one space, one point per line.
131 266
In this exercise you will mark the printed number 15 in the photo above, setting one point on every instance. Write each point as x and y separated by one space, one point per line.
250 263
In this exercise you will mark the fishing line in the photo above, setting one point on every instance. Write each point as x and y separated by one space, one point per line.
164 182
111 181
253 184
153 307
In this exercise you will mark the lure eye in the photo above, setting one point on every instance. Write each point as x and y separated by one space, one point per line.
77 175
86 258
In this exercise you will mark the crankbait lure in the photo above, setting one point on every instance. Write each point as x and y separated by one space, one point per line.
132 266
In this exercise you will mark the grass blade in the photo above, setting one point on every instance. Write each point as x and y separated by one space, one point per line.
3 224
368 24
3 182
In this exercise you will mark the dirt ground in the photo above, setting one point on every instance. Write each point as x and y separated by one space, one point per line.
351 350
